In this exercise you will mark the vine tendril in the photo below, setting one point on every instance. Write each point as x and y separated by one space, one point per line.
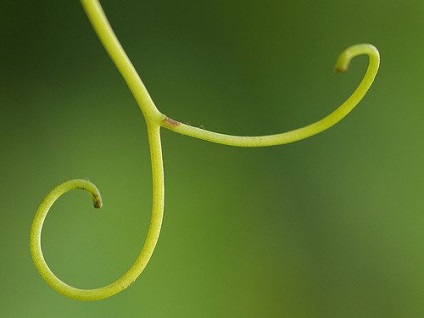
342 65
154 121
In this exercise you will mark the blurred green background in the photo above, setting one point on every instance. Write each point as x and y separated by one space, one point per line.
332 226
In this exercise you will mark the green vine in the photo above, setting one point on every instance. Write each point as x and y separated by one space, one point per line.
154 121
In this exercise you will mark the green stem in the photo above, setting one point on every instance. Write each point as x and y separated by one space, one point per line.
152 236
301 133
117 54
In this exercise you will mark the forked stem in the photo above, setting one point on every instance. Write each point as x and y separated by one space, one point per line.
154 121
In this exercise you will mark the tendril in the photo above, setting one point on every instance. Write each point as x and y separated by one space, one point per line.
154 121
152 235
342 65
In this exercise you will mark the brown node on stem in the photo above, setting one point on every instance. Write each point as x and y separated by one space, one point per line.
171 122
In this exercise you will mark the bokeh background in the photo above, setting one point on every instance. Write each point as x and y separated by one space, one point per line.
332 226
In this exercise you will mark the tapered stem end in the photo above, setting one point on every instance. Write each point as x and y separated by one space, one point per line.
347 55
97 201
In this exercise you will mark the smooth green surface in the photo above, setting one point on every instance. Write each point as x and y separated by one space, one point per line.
327 227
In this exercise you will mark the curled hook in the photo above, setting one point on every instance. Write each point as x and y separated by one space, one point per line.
146 252
37 226
342 65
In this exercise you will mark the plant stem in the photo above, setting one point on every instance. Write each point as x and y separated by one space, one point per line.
154 121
